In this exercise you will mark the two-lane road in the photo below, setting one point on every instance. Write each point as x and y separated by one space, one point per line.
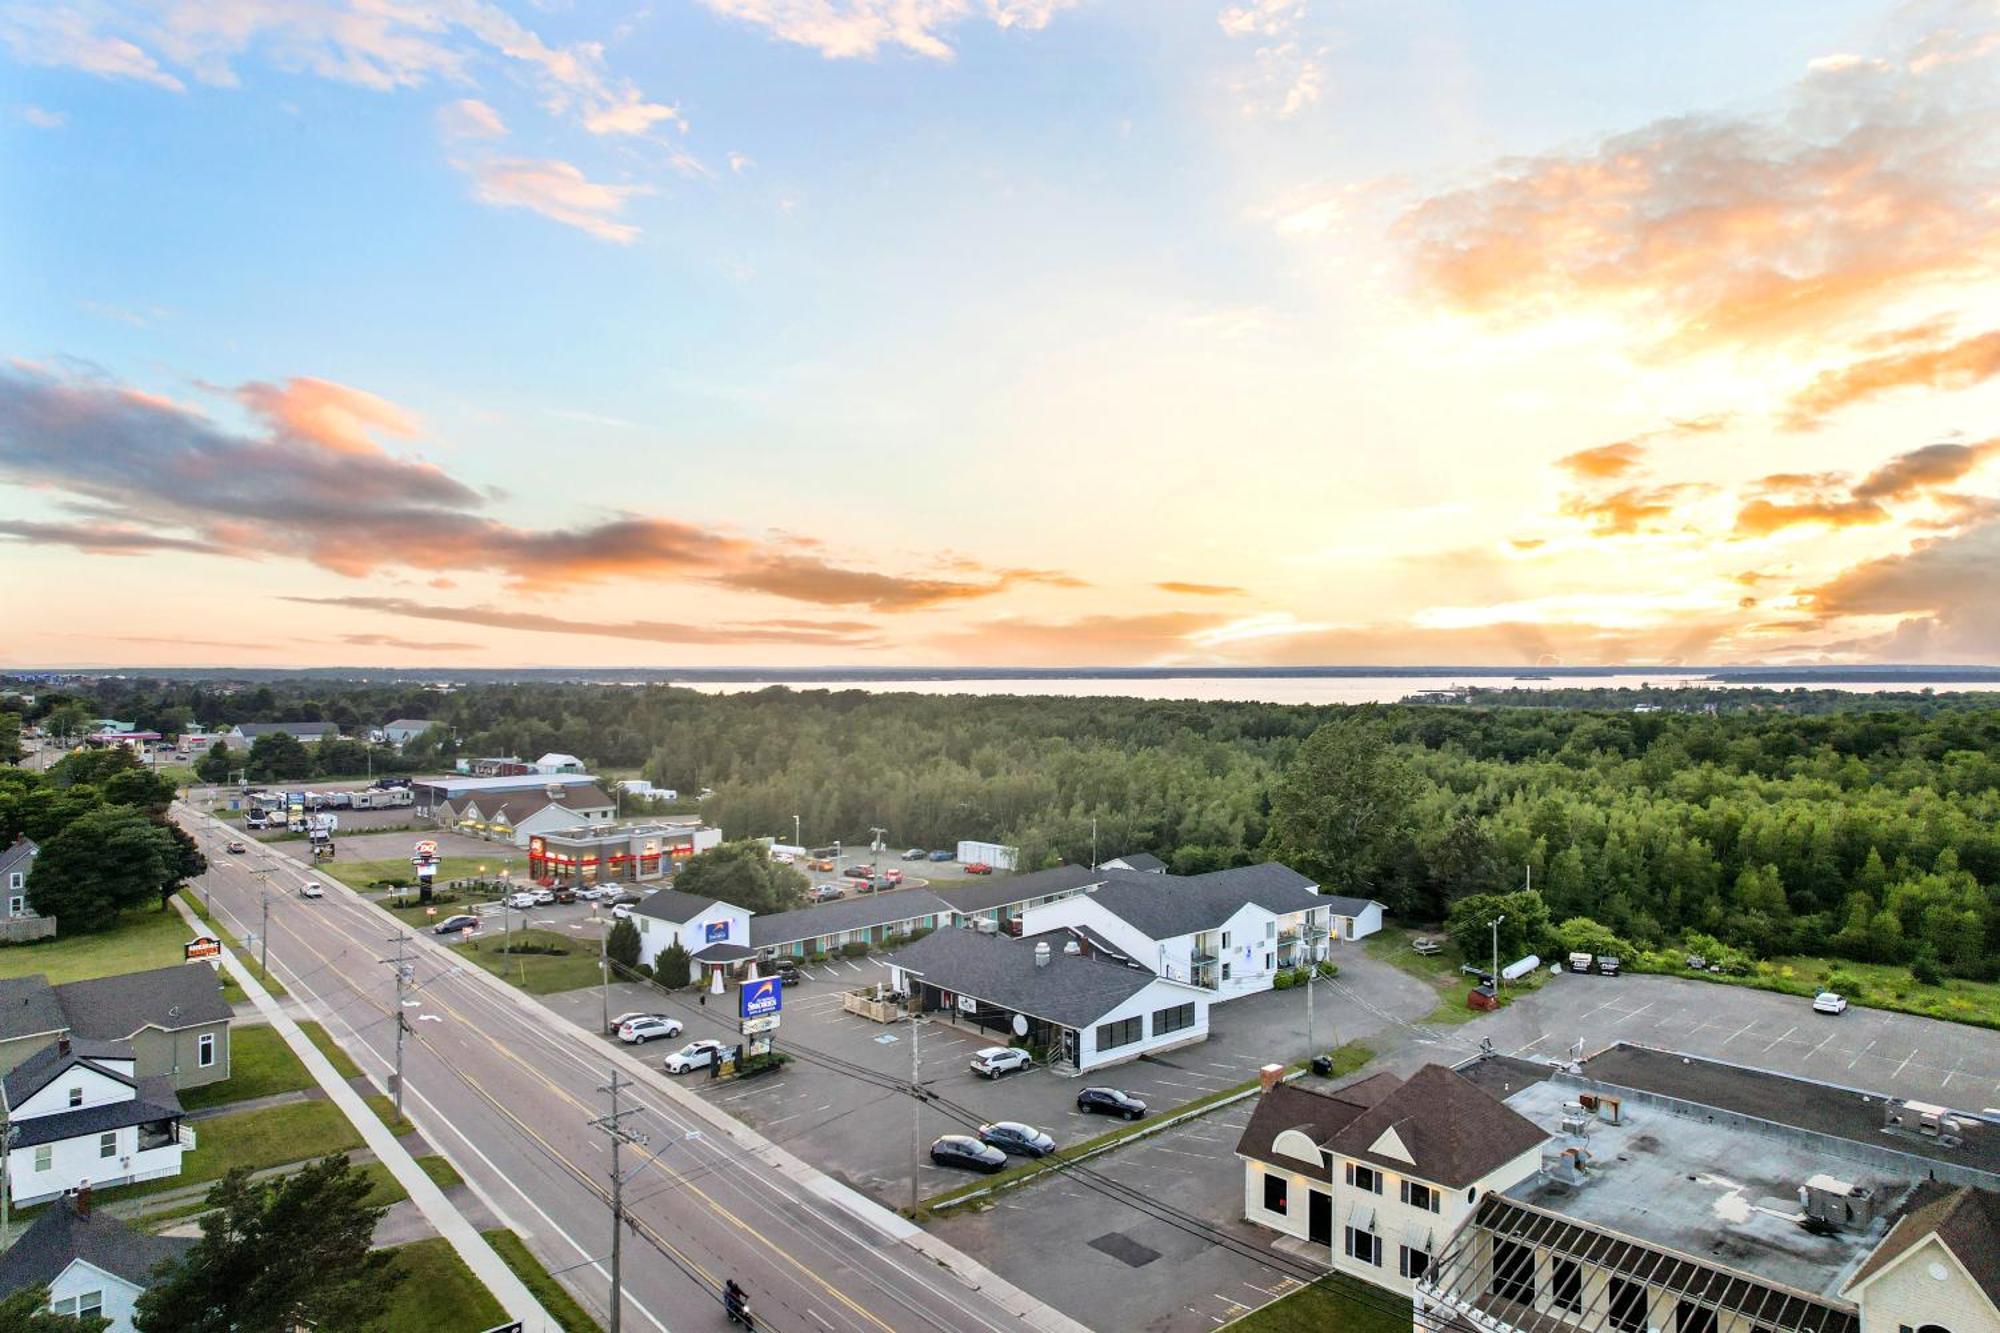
507 1091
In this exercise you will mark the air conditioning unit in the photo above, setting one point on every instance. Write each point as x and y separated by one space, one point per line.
1839 1204
1922 1118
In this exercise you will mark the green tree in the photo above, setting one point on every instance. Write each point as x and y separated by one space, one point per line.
67 721
621 946
278 757
1580 934
1524 930
673 966
27 1311
288 1253
743 875
184 863
104 862
10 738
214 767
1342 809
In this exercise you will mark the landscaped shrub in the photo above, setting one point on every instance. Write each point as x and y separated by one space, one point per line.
670 968
532 946
815 958
1329 969
854 948
1282 981
916 934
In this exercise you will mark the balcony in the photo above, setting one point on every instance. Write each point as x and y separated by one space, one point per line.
1202 958
1289 935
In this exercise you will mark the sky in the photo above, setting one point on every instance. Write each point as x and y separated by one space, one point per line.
998 332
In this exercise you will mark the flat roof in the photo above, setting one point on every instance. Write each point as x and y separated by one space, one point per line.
1719 1193
454 783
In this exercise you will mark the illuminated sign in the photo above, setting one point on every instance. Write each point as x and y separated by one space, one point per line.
760 997
202 946
715 932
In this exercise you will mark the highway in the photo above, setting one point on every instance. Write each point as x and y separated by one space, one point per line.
507 1091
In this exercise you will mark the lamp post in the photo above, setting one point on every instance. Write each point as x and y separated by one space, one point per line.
798 839
1495 924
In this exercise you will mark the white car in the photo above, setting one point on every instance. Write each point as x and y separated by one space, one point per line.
639 1031
590 893
312 889
521 901
544 897
695 1055
623 1019
993 1061
1826 1002
622 911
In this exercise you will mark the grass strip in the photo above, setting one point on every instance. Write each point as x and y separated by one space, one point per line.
562 1307
438 1293
1334 1302
342 1063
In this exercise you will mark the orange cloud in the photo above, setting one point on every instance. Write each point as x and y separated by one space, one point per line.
1760 518
1604 461
1958 365
1201 589
1928 468
846 633
1946 584
1633 509
331 415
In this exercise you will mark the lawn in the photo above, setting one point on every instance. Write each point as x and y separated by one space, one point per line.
384 1106
273 1136
260 1064
562 1307
538 974
243 956
364 874
1335 1303
1874 985
342 1063
1441 972
145 937
438 1293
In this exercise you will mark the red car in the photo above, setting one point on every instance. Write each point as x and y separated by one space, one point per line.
893 875
978 868
858 872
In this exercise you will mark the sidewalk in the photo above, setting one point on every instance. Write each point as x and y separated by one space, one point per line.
444 1217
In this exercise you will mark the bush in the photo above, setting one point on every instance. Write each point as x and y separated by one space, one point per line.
855 949
1282 981
815 958
1924 970
670 968
531 947
1329 969
916 934
622 944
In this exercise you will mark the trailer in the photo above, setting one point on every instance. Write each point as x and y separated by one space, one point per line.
995 854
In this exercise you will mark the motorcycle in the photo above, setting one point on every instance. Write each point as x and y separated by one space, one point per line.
736 1304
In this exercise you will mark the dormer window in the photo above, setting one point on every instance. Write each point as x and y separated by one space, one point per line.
76 1096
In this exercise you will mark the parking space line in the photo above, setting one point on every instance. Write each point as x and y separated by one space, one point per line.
1953 1071
1906 1060
1781 1036
1739 1032
1858 1054
1822 1041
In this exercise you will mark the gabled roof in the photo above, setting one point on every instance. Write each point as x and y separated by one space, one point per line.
1070 990
556 758
511 808
1141 861
1455 1132
673 906
1005 890
20 856
28 1008
416 724
57 1058
1346 906
62 1235
156 1100
1965 1220
861 912
1317 1115
1163 907
110 1008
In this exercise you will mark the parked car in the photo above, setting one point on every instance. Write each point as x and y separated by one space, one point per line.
639 1031
786 970
1110 1101
698 1054
962 1150
451 925
893 875
590 893
545 897
993 1061
826 893
1011 1136
1608 964
621 911
312 888
858 872
1827 1002
521 901
625 1018
235 848
821 864
565 894
978 868
941 856
915 854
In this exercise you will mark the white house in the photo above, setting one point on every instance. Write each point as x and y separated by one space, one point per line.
1353 918
84 1117
1084 1012
1229 932
92 1264
244 734
1381 1172
557 762
715 934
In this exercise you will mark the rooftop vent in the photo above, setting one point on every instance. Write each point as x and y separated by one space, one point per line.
1072 948
1575 1121
1566 1166
1838 1205
1925 1120
1042 954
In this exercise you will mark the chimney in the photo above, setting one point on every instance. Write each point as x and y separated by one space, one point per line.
1042 954
82 1204
1270 1076
62 1046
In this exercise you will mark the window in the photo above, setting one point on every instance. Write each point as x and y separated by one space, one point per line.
205 1050
1364 1177
1225 939
1513 1272
1274 1193
1416 1263
1566 1285
1122 1033
107 1143
1225 971
1271 930
89 1303
1628 1306
45 1156
17 905
1267 962
1694 1319
1365 1246
1419 1195
1176 1019
16 880
76 1096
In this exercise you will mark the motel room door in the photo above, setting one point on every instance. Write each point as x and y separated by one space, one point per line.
1319 1217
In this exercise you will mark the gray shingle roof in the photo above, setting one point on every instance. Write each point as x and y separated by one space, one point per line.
1456 1131
252 730
861 912
108 1008
1346 906
20 857
1071 990
1965 1219
61 1236
722 953
674 906
1166 906
1003 890
28 1008
51 1062
1143 861
1317 1115
156 1101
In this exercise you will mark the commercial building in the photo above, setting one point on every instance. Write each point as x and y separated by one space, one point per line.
173 1019
997 904
80 1114
617 854
1657 1193
246 733
555 762
874 919
516 816
1083 1012
715 934
91 1263
432 792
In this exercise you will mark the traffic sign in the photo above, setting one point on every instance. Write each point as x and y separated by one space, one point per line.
760 997
202 946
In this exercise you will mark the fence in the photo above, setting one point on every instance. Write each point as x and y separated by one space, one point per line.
21 929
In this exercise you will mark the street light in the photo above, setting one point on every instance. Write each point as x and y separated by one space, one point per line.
1495 924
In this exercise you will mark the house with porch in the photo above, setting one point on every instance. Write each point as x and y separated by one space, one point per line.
81 1115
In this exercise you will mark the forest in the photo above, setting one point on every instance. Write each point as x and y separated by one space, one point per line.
1862 827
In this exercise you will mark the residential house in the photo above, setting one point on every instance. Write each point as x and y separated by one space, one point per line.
1352 918
173 1018
405 729
21 922
246 733
715 934
1144 862
1084 1012
80 1114
91 1263
1376 1175
1938 1268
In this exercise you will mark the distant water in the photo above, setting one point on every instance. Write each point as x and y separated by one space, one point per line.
1307 689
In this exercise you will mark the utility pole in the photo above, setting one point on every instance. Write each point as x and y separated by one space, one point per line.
604 975
1495 923
880 833
916 1104
1093 842
264 936
619 1136
1312 975
403 973
798 838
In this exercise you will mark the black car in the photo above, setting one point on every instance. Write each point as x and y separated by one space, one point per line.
962 1150
1011 1136
1110 1101
628 900
451 925
564 893
786 971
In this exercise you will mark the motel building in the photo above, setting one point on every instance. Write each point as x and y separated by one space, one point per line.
633 853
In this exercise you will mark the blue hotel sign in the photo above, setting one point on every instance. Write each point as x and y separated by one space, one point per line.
760 997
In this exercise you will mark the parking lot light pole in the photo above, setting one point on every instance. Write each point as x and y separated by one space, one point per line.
916 1103
1495 923
604 975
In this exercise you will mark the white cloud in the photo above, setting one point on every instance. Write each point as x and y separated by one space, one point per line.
740 163
1287 75
469 118
43 119
1261 18
840 29
65 39
557 190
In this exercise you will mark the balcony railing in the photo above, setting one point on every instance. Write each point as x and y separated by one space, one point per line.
1200 959
1289 935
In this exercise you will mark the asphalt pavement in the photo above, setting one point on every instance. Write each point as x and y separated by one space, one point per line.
508 1092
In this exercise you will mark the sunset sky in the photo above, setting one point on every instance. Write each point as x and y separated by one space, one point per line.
1047 332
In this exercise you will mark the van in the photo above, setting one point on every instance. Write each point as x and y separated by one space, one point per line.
1580 962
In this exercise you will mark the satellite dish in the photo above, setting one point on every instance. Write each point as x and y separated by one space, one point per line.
1020 1025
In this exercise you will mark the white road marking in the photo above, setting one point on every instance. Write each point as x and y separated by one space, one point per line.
1739 1032
1781 1036
1822 1041
1858 1054
1906 1060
